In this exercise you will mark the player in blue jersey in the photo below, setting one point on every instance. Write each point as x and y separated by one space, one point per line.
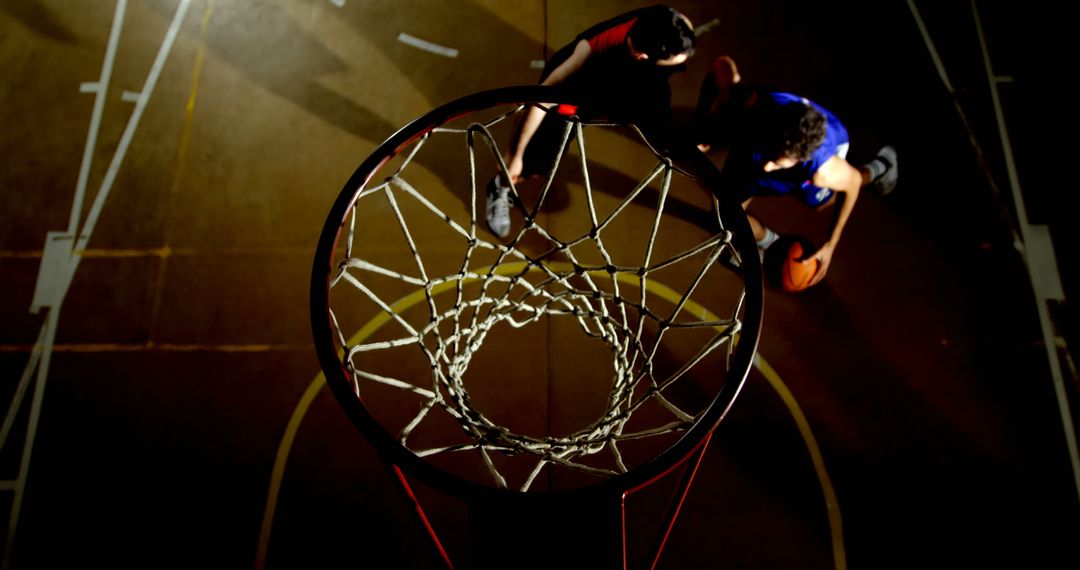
783 144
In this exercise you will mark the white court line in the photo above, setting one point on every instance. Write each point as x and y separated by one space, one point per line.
20 390
1025 236
930 46
426 45
1039 255
48 333
129 96
125 140
48 337
48 329
99 89
54 261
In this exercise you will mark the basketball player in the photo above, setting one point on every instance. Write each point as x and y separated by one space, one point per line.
617 69
782 144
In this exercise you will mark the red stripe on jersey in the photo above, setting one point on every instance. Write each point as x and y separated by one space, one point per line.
611 37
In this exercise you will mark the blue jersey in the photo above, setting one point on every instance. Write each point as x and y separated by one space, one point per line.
799 178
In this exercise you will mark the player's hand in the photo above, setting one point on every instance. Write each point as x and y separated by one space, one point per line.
823 256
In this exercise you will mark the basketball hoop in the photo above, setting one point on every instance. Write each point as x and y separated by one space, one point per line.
422 319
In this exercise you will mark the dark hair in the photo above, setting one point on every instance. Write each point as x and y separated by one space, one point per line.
661 34
789 130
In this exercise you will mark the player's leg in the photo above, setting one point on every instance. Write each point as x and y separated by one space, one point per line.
762 233
543 150
764 236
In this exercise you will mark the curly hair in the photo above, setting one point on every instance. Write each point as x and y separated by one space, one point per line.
790 130
662 33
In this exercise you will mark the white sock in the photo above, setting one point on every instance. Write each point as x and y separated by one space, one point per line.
876 167
770 237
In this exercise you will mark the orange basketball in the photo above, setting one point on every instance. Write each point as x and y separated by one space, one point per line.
783 263
797 274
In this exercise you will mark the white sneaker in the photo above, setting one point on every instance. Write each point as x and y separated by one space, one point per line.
498 207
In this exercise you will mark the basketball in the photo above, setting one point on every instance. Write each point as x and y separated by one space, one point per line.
784 265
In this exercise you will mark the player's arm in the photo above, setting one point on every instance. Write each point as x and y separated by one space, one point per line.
535 116
705 108
715 94
840 177
572 64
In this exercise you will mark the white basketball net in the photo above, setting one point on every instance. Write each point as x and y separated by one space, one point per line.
609 302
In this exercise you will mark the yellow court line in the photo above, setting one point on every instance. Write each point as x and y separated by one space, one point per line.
189 107
832 506
178 173
278 472
653 286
